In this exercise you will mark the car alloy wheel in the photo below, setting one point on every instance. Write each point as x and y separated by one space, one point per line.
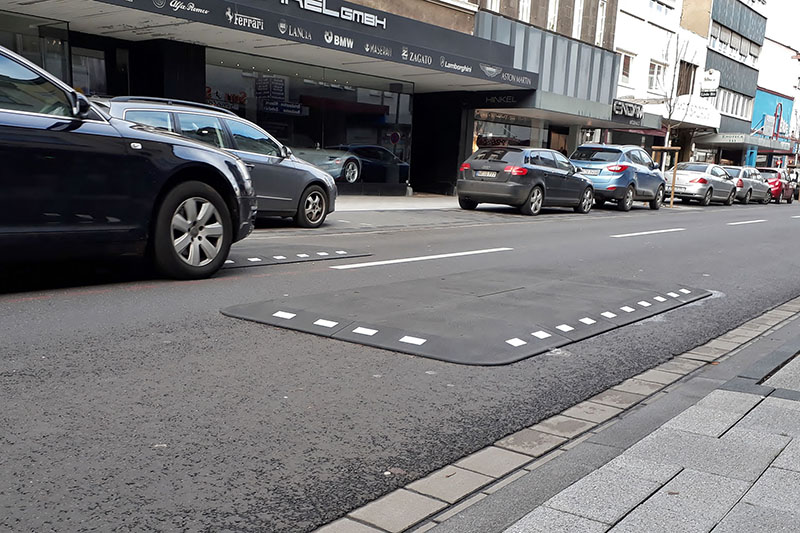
197 232
746 199
707 198
587 199
626 204
350 171
731 197
535 201
658 201
313 208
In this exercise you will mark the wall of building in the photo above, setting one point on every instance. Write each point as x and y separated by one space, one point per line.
456 15
768 109
739 17
696 16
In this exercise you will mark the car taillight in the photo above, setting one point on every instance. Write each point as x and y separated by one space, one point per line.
740 183
699 180
516 171
617 168
465 166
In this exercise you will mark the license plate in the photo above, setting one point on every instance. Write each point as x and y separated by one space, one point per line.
485 174
590 171
680 188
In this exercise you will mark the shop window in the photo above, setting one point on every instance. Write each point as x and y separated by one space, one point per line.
161 120
89 71
249 139
655 80
202 128
600 29
686 75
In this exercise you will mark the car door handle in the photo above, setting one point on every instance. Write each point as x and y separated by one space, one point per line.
250 166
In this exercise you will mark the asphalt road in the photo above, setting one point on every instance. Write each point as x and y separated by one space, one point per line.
132 404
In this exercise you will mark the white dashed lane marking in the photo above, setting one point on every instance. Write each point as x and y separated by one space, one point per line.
644 304
279 257
746 222
254 259
628 309
326 323
516 343
541 335
660 299
588 321
639 234
365 331
565 328
416 341
284 315
421 258
608 314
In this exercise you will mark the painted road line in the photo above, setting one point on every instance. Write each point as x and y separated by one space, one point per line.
284 314
660 299
420 258
516 343
685 291
628 309
541 335
279 257
254 259
796 216
608 314
326 323
416 341
565 328
365 331
746 222
588 321
644 304
656 232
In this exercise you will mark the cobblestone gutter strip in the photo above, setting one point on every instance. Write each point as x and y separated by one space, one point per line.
422 504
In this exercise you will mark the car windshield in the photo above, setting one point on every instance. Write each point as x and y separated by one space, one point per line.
692 167
733 171
596 154
497 154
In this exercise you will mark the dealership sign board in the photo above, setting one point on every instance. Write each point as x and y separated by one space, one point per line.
627 112
710 83
343 26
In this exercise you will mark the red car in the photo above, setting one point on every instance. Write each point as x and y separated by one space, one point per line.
780 183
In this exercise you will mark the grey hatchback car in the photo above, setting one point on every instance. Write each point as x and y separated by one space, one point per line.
529 178
284 185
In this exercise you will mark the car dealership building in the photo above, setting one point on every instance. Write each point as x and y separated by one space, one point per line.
319 73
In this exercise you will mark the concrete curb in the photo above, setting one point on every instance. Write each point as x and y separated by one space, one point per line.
443 494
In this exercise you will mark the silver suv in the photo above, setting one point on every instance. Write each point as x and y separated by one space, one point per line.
284 185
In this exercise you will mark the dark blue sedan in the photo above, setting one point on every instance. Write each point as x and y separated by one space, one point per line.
622 174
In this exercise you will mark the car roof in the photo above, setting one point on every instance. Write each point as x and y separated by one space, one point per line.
148 102
612 146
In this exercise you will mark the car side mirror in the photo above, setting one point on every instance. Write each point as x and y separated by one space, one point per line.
286 152
80 105
654 166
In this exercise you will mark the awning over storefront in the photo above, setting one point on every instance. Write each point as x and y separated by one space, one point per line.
743 141
333 33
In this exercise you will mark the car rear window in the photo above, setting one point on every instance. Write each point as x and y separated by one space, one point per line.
733 172
767 171
596 154
498 154
693 167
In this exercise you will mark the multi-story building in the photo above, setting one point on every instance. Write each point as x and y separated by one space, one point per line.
449 74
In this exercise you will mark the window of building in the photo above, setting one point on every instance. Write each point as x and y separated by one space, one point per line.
686 75
744 51
733 104
577 19
493 5
755 50
625 71
525 10
736 41
724 35
655 80
89 71
552 15
600 31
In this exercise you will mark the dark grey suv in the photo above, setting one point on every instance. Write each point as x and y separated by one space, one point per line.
76 182
284 184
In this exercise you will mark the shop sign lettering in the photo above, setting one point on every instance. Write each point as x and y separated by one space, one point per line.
416 57
294 31
627 109
338 40
490 70
345 13
516 78
245 21
177 5
450 65
378 49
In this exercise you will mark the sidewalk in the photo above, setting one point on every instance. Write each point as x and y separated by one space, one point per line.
419 201
709 441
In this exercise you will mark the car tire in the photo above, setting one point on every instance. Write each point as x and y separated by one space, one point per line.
790 199
707 198
466 203
747 196
731 197
655 204
767 199
193 232
351 172
599 202
533 205
312 208
626 202
586 201
779 199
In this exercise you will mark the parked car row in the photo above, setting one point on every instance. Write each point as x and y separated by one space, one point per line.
532 178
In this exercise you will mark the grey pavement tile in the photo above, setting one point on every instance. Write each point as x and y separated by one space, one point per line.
723 345
577 441
787 377
593 412
746 517
450 483
787 394
772 417
546 520
450 513
345 525
543 460
709 351
739 454
658 376
776 489
605 495
735 402
493 461
617 398
531 442
789 459
680 365
711 422
781 403
563 426
491 489
691 502
398 510
700 357
637 386
643 469
427 526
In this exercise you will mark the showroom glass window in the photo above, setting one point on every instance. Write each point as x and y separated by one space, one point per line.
41 41
25 90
